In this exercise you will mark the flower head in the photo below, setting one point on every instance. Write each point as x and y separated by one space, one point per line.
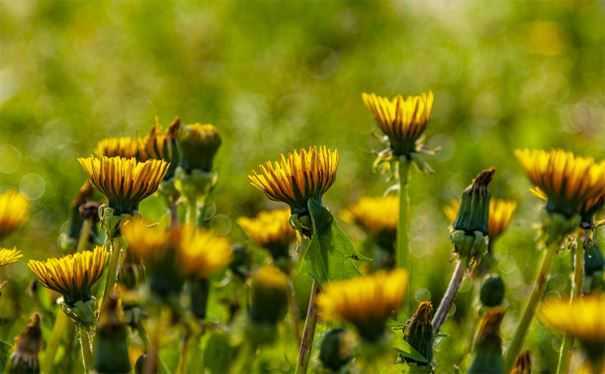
299 176
159 145
9 256
118 147
73 275
269 295
124 181
14 209
198 145
402 119
418 331
270 230
366 302
569 184
203 253
144 240
375 215
583 318
24 358
500 215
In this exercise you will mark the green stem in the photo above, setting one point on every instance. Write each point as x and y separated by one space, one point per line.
576 290
61 326
112 270
448 298
184 352
306 343
530 309
402 258
86 346
192 212
84 235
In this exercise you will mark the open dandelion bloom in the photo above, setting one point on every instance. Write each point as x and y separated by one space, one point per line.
298 176
582 319
118 147
72 276
366 302
14 209
402 119
124 181
9 256
198 145
270 230
269 295
161 145
500 215
375 215
566 181
203 253
144 240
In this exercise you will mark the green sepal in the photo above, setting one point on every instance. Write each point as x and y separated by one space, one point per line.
330 254
407 352
82 312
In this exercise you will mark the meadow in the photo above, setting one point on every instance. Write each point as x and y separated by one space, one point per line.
203 172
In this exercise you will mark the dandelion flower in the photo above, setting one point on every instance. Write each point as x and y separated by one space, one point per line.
9 256
124 181
298 176
375 215
402 119
198 144
14 210
270 230
567 182
203 253
117 147
159 145
72 276
366 302
269 295
582 319
144 240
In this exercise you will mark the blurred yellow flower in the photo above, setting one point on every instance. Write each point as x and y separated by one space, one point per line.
203 253
375 215
500 215
125 182
298 176
582 318
366 302
402 119
73 275
126 147
566 181
199 144
270 230
269 295
14 210
9 256
144 240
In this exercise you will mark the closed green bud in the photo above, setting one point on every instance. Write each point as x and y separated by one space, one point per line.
473 214
492 291
198 144
487 355
268 296
418 332
593 258
24 359
336 349
522 364
111 342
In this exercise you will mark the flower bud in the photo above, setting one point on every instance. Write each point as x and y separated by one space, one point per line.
336 349
240 262
593 258
487 357
522 364
111 343
418 331
198 144
268 296
27 346
492 291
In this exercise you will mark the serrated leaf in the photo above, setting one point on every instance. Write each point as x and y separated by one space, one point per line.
407 351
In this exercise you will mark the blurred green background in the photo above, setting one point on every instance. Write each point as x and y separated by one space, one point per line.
275 75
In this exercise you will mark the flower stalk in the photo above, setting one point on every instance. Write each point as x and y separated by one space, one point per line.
402 257
530 309
86 347
306 343
449 296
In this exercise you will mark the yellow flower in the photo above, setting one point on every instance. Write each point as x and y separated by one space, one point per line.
375 215
568 182
269 295
402 119
118 147
124 181
9 256
582 319
14 209
72 276
199 144
203 253
500 215
160 145
144 240
270 230
299 176
366 302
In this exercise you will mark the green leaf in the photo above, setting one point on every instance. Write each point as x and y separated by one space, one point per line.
408 352
5 349
330 254
219 354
